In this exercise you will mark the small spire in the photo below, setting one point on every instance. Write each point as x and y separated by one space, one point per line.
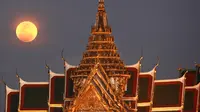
141 67
2 81
158 63
17 75
62 55
47 67
101 24
101 6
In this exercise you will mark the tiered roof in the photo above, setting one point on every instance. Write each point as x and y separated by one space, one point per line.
56 91
101 48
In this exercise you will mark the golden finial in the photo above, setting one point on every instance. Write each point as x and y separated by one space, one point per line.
101 0
101 5
62 55
197 65
179 69
141 59
17 75
2 81
141 54
47 67
185 74
158 61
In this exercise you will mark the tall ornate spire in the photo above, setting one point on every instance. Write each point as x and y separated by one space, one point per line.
101 25
101 50
101 5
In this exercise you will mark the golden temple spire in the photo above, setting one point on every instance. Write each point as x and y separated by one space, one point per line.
101 24
101 47
101 6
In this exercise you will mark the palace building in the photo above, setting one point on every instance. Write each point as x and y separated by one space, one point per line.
102 82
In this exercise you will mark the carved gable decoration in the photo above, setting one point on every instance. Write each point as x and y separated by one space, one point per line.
96 94
91 101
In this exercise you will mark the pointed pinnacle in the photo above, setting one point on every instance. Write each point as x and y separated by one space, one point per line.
62 55
2 81
17 75
46 65
158 61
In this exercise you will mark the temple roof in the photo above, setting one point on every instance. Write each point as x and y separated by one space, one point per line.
98 83
101 48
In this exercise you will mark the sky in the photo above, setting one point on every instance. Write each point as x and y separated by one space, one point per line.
169 29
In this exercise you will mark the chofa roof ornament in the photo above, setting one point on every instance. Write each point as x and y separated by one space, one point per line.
66 64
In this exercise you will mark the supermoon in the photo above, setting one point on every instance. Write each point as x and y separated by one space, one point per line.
26 31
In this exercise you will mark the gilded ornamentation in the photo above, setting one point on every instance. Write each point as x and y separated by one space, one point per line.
111 84
90 103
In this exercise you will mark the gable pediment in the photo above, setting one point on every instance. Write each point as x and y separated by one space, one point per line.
90 101
96 95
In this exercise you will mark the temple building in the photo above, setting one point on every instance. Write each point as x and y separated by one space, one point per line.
102 82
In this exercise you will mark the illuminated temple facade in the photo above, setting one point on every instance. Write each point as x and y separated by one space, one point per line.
102 82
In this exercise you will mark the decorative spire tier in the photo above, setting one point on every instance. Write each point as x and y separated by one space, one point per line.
101 25
100 49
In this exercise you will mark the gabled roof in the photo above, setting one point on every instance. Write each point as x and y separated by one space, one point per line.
191 101
181 79
173 92
53 74
132 84
99 82
152 72
69 85
68 66
146 87
136 65
33 96
183 70
12 99
191 76
56 89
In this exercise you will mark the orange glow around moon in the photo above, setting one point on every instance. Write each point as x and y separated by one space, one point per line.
26 31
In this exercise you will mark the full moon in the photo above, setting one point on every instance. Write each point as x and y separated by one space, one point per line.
26 31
